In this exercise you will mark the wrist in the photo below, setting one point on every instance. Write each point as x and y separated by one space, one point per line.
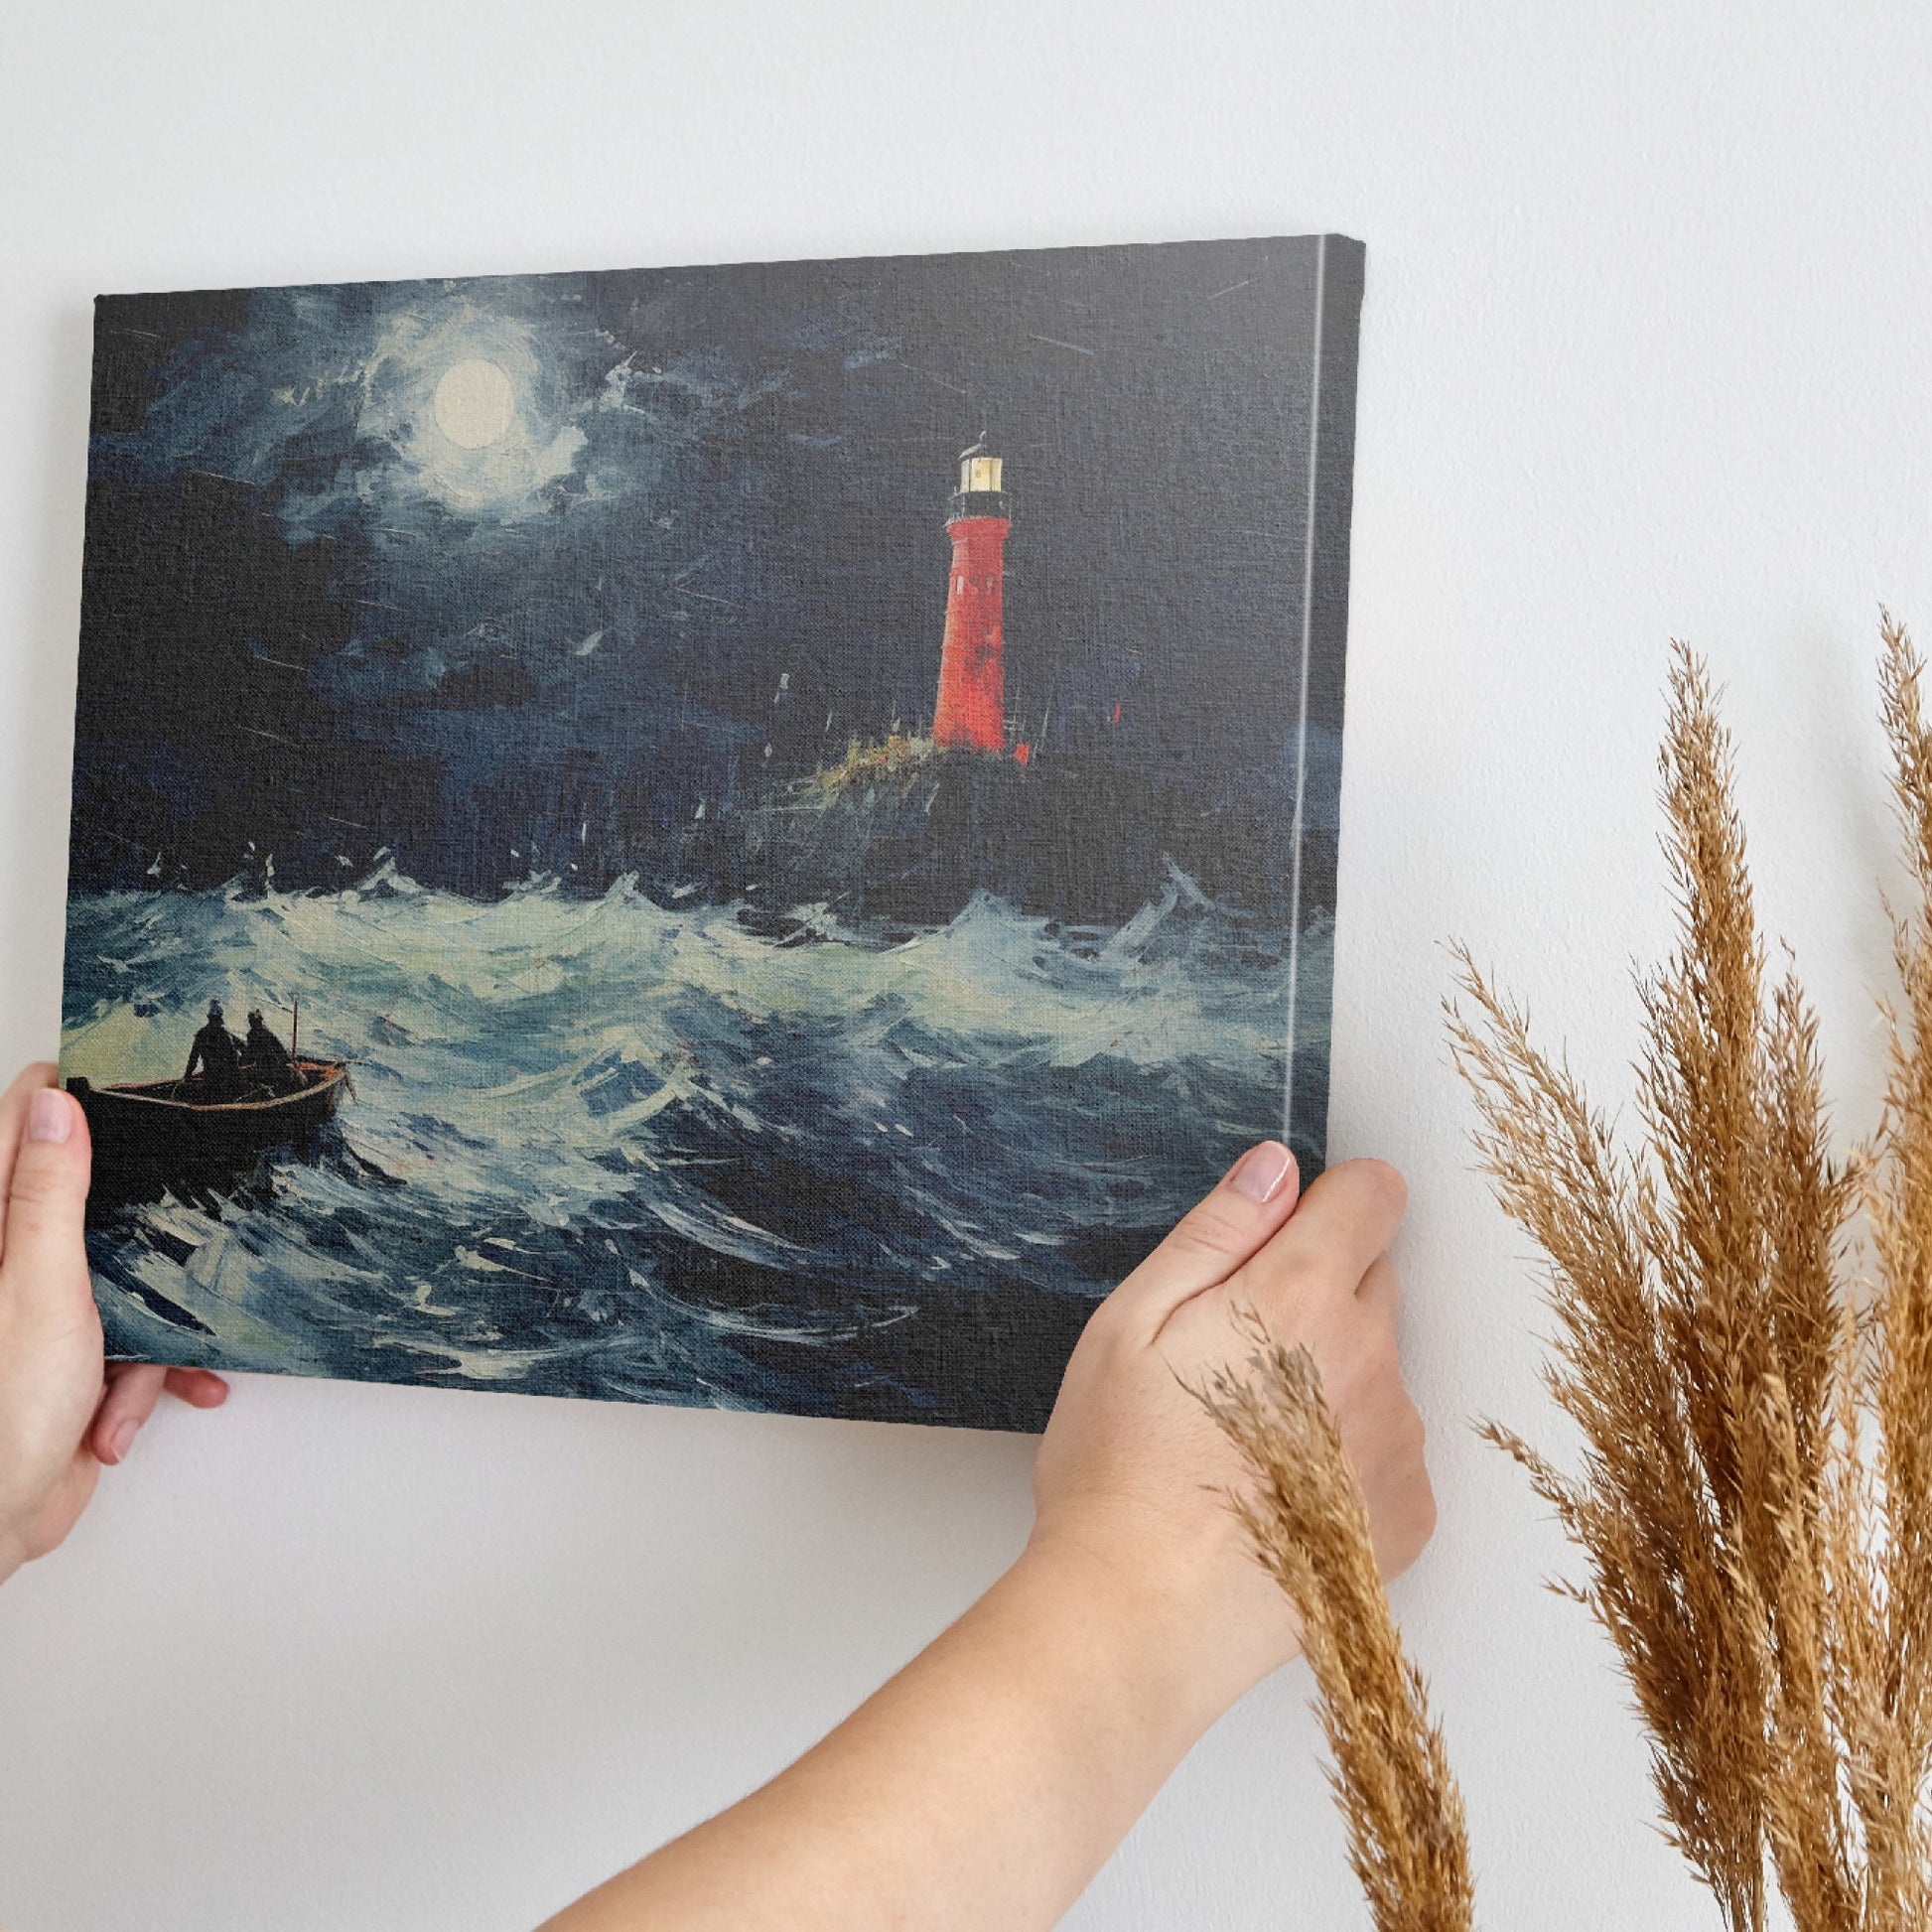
1166 1639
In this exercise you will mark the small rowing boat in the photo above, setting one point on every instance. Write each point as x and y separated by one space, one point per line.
172 1124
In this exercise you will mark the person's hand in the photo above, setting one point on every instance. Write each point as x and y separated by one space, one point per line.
1130 1479
63 1412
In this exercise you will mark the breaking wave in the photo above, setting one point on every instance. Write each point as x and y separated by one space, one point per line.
613 1148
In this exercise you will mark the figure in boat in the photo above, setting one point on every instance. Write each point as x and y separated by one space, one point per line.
216 1054
265 1060
233 1070
237 1100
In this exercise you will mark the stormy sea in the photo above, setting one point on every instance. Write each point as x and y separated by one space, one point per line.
612 1147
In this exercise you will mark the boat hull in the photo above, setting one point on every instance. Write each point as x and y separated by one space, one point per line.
152 1126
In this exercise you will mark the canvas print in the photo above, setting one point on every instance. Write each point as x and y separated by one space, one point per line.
744 836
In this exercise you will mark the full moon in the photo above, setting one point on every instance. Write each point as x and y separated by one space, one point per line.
475 403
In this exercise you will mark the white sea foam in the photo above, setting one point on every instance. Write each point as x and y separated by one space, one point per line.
557 1099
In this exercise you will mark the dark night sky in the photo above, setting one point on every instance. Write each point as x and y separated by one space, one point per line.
710 479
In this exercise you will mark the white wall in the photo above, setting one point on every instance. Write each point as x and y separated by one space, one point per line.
1643 354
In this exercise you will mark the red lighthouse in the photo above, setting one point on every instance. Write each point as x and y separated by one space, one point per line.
970 713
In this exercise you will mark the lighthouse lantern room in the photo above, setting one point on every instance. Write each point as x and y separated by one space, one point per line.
970 713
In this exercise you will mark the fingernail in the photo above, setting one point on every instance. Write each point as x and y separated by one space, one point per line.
122 1440
1261 1170
49 1116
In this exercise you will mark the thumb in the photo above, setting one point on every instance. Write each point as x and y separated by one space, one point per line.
44 1261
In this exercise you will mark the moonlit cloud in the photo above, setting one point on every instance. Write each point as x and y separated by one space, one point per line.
546 506
327 398
505 476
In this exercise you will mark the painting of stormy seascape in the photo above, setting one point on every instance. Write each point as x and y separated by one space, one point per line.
736 836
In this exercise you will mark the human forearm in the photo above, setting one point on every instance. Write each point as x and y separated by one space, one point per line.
984 1785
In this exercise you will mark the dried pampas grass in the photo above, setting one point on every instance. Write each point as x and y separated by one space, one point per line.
1754 1497
1309 1525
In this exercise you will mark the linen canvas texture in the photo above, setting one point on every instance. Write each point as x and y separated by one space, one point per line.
777 823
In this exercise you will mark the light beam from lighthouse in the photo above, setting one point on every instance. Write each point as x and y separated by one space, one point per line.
970 713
